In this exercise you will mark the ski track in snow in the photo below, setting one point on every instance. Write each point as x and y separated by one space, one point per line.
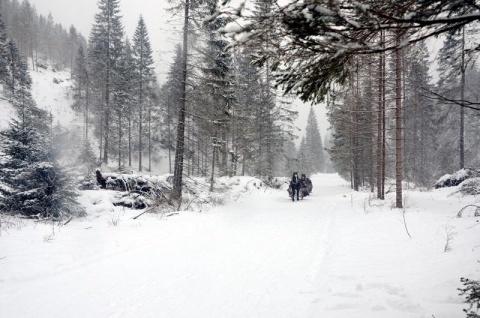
261 256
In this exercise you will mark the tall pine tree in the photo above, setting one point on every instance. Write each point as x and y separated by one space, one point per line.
313 145
144 75
105 50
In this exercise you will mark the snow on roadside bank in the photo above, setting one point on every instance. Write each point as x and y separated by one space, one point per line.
334 254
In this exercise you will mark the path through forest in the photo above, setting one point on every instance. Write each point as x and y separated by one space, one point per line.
260 256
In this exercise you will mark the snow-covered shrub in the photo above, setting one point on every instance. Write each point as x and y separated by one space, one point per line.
87 184
452 180
133 200
470 186
275 183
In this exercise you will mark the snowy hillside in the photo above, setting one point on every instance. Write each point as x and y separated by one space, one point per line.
337 253
50 89
7 112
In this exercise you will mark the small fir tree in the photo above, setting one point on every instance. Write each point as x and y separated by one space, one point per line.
33 184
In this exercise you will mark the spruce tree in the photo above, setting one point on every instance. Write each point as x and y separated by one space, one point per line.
33 184
105 50
128 78
73 37
313 144
144 75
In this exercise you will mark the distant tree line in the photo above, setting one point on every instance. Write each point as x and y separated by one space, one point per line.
39 37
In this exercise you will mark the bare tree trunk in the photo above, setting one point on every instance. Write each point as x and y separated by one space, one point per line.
119 139
355 145
101 131
199 166
380 126
87 104
169 120
371 109
384 121
212 178
149 139
462 109
180 149
129 136
398 125
107 100
140 128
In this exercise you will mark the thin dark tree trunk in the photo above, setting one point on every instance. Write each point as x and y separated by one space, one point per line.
101 129
406 155
107 99
384 121
398 125
169 120
140 118
379 127
371 109
87 104
180 149
199 167
462 109
355 143
129 135
119 140
212 178
149 139
140 148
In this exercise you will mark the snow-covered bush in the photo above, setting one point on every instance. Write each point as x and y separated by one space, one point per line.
470 186
276 182
452 180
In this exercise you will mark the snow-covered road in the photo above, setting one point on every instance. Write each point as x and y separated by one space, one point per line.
260 256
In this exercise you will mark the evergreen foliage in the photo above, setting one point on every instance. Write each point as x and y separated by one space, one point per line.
39 37
143 86
105 49
472 291
33 184
313 146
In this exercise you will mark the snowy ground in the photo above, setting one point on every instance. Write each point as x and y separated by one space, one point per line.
333 254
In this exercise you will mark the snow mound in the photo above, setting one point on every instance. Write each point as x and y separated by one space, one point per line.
470 186
452 180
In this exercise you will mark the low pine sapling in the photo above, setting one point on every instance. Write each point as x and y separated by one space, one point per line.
472 291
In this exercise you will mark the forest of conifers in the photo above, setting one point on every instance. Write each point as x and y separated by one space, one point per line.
394 113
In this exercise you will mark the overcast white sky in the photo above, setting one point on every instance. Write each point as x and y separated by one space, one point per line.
164 30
